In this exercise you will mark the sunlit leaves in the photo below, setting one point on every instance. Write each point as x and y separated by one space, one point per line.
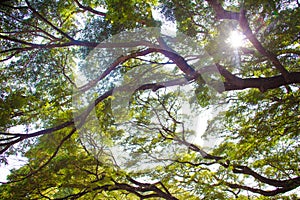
260 130
264 129
130 13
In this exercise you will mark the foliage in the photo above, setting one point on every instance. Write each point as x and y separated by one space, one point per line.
104 146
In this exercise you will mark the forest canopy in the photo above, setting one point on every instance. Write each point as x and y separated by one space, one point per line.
105 100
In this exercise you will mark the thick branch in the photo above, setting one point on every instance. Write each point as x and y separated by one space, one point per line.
248 33
232 83
276 183
175 57
260 191
145 188
235 83
263 84
221 13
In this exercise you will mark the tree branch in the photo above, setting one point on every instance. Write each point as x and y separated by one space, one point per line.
244 24
88 8
145 187
20 41
260 191
48 161
21 137
263 84
232 83
221 13
47 22
277 183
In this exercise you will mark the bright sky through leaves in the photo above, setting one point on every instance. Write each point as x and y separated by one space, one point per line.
236 39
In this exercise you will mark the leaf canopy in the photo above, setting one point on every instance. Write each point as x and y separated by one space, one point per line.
106 101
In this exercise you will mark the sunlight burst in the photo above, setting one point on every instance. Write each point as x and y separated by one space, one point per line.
236 39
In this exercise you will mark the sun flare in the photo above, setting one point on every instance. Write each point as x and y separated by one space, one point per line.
236 39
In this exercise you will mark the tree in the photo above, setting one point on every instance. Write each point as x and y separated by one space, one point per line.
73 127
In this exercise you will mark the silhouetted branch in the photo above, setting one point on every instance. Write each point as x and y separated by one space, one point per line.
88 8
260 191
46 21
47 162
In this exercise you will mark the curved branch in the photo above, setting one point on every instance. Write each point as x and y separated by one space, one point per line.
260 191
282 185
232 83
48 161
263 84
221 13
113 66
144 187
175 57
88 8
21 137
244 24
276 183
